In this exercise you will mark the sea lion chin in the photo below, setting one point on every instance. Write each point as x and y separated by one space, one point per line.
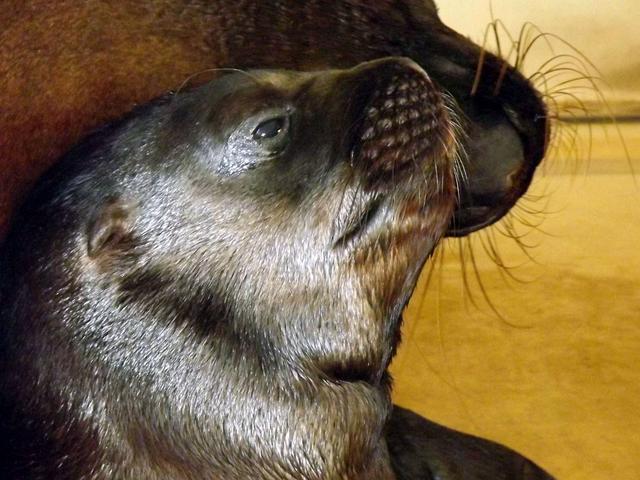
212 287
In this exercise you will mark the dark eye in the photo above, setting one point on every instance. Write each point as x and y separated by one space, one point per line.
270 128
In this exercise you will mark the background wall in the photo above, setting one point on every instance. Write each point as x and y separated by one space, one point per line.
556 374
606 31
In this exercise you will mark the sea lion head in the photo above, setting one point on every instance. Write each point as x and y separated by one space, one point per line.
218 278
504 117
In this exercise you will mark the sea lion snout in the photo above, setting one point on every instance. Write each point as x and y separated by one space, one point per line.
402 150
404 122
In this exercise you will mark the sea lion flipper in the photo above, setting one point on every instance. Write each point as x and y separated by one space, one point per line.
421 449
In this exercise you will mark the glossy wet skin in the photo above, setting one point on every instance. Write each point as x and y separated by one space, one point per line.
214 286
58 85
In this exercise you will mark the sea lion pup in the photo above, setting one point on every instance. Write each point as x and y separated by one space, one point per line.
212 287
67 67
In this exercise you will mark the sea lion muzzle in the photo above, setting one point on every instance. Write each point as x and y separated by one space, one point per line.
403 149
405 121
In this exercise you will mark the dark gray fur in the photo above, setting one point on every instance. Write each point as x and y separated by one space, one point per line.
179 301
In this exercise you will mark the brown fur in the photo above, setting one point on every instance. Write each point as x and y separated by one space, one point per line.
68 66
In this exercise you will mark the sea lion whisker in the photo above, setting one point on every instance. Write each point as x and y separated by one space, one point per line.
496 37
553 107
501 75
492 251
458 177
450 378
571 81
518 237
184 84
460 394
578 52
560 78
467 260
518 63
561 73
585 64
425 182
410 327
462 256
531 225
508 229
485 294
478 74
534 40
564 60
572 110
556 134
439 184
454 147
524 40
482 57
496 26
527 208
568 95
506 272
572 104
494 232
514 43
559 144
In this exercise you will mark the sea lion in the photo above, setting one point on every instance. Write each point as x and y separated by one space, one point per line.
212 287
68 67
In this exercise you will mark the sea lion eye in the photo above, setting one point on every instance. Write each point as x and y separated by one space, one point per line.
260 137
270 128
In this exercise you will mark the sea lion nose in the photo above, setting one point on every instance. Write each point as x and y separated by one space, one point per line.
404 121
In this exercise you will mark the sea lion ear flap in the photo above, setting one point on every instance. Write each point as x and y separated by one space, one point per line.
111 228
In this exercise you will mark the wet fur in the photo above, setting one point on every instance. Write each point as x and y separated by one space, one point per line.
77 92
147 333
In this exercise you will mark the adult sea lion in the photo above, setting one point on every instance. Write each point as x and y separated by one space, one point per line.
68 66
212 287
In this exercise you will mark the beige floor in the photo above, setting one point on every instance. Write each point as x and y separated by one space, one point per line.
558 378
